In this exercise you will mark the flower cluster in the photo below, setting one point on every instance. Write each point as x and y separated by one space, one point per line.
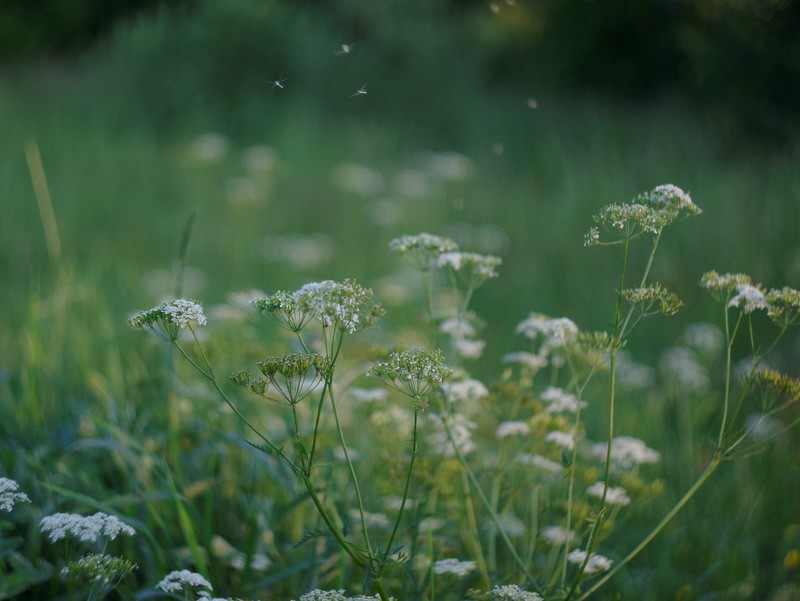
423 249
99 568
413 373
168 319
779 383
177 580
84 528
471 267
723 284
615 495
453 566
597 563
343 305
627 451
555 333
9 495
654 296
748 298
560 401
784 306
512 592
287 374
320 595
649 213
512 428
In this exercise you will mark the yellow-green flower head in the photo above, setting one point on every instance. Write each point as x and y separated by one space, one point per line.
653 299
99 568
723 283
784 306
413 373
168 319
649 213
345 305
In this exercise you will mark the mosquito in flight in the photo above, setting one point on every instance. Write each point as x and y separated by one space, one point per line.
362 91
345 49
278 83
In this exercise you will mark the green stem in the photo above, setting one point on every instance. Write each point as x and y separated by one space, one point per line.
405 491
353 476
523 568
710 468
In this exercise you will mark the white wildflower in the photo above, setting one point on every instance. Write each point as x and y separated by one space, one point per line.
526 359
457 327
560 401
614 496
478 267
512 428
469 349
373 520
9 495
453 566
597 563
460 428
465 390
555 332
175 581
543 463
565 440
669 195
556 535
168 319
749 298
512 525
84 528
512 592
626 451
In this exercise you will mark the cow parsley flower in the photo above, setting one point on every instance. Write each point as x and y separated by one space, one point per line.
413 373
557 535
9 495
470 269
784 306
722 285
512 428
167 320
453 566
614 496
177 580
99 568
597 563
525 359
84 528
748 298
560 401
345 306
543 463
653 299
555 333
465 390
460 428
627 451
512 592
565 440
423 249
287 374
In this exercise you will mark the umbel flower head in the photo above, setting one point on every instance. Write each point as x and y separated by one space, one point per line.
783 306
167 320
423 249
287 374
85 528
345 306
99 568
648 213
470 269
721 286
9 495
178 580
653 299
413 373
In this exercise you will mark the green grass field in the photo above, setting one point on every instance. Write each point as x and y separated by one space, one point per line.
97 417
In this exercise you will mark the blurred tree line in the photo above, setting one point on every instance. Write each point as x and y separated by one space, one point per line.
741 57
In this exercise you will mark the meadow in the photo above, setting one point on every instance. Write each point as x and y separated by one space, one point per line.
231 202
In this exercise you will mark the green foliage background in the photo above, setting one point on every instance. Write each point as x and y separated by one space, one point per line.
628 96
